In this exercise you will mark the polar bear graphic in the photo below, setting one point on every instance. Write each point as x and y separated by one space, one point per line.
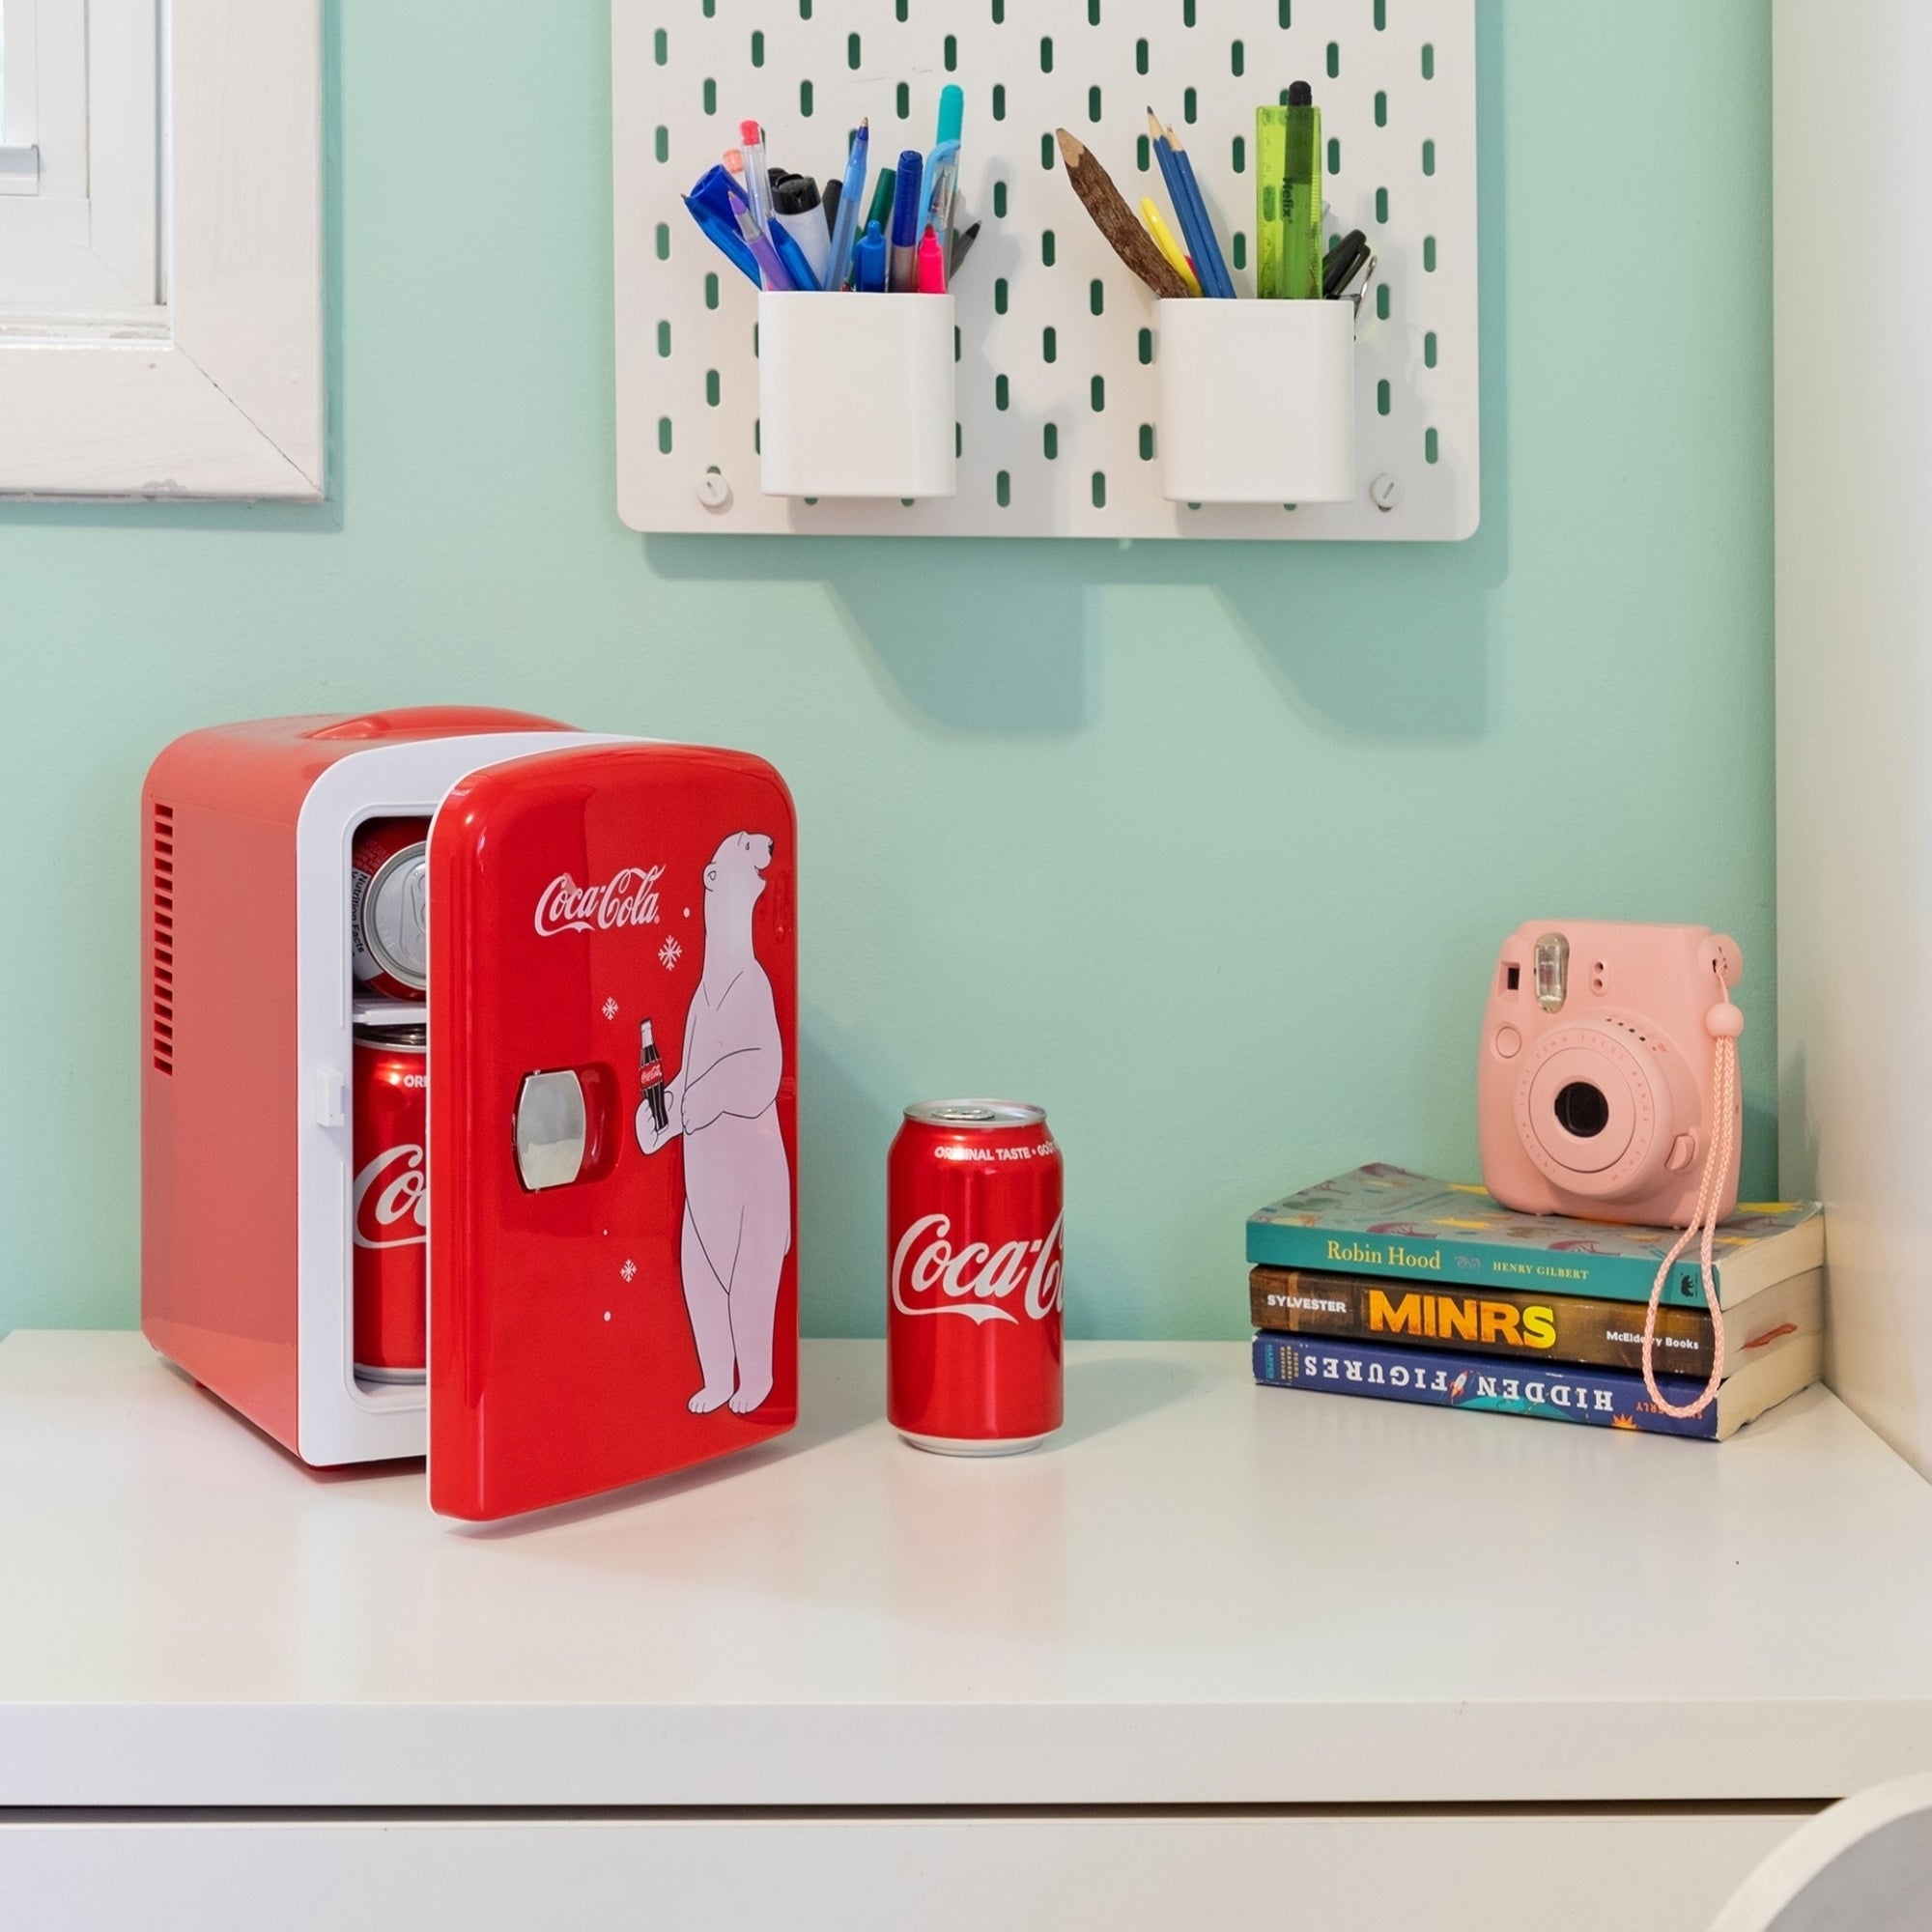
737 1181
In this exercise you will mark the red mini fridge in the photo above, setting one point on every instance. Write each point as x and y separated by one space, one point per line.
610 1269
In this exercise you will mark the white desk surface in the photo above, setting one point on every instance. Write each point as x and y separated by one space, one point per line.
1201 1592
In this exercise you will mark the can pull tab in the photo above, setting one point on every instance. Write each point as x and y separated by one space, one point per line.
561 1122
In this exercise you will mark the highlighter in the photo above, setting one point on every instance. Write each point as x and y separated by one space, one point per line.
799 212
1301 198
905 223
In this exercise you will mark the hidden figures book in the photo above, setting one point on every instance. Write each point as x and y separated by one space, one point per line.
1554 1391
1383 1220
1523 1325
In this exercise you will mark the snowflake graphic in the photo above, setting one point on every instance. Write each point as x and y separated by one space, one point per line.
629 1271
669 954
610 1009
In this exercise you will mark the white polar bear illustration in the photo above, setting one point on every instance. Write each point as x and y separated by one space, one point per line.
737 1181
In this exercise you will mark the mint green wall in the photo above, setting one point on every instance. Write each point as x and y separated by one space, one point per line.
1206 848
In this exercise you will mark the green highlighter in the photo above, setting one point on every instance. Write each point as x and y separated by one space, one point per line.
1301 197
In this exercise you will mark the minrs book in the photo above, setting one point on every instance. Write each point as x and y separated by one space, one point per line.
1523 1324
1553 1391
1383 1220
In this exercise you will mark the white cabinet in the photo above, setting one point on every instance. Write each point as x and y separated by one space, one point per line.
1217 1654
831 1874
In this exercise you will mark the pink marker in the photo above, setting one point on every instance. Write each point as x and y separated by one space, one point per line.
931 266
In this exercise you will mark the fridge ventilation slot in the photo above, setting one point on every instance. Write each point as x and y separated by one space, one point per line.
162 963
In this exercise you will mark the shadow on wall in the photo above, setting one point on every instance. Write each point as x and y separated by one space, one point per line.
992 637
1380 640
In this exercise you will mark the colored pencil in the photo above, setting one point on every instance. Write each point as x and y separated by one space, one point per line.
1186 193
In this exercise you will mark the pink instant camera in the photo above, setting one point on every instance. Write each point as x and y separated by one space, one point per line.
1596 1082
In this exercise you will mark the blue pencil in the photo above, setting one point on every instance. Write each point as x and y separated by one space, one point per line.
1184 191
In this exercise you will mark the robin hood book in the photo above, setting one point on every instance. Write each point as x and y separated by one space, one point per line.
1554 1391
1385 1221
1520 1324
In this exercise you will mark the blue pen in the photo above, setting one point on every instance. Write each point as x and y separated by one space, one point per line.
724 237
796 264
719 193
905 223
849 197
869 261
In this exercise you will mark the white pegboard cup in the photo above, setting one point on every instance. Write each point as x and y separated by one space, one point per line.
857 395
1257 401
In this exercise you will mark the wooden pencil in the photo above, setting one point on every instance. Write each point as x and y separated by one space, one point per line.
1114 220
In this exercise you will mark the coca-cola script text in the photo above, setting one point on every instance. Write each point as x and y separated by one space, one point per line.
930 1277
393 1200
629 898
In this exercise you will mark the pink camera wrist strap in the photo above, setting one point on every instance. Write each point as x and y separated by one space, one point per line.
1725 1023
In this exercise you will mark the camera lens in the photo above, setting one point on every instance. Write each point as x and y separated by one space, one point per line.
1582 1110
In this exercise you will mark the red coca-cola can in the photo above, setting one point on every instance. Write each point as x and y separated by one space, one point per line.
973 1257
388 929
390 1137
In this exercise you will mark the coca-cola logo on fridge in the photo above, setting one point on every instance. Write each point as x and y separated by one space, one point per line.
393 1200
930 1276
629 898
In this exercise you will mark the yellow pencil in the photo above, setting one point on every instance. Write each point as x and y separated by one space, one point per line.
1163 240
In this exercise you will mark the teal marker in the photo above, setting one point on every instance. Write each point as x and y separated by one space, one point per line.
952 115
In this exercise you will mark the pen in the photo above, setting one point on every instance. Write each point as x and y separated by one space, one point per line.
943 199
962 246
869 261
931 266
764 254
850 193
1163 240
939 189
1338 270
722 189
757 182
724 237
905 223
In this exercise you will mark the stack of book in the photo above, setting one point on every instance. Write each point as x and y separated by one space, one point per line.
1386 1283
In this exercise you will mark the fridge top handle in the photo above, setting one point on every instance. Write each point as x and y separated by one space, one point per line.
433 720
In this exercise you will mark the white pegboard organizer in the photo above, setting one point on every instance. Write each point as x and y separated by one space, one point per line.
1396 83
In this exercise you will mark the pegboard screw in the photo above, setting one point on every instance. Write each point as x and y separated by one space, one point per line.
1385 492
713 491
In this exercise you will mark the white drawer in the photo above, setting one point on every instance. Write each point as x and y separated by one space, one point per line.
1039 1873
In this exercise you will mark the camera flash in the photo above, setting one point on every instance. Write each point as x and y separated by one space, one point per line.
1552 972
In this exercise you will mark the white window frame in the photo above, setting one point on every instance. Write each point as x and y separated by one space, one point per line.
216 390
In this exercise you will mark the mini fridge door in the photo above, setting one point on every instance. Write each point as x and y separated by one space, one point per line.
612 1121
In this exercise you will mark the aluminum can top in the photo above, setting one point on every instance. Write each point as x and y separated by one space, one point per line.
971 1115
